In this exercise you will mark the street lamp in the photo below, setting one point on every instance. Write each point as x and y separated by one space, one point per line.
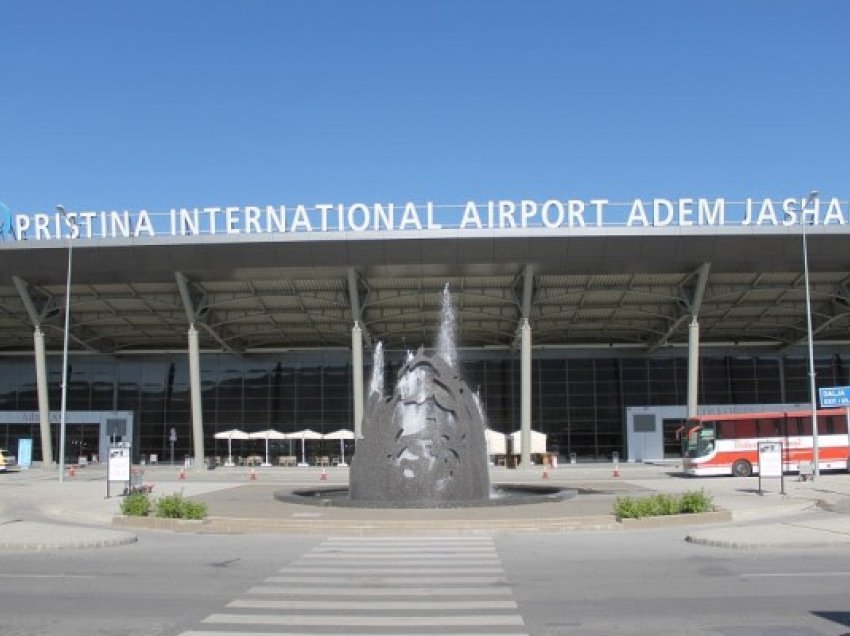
63 409
812 388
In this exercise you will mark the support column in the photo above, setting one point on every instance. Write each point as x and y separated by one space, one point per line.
43 404
357 378
525 396
195 390
693 367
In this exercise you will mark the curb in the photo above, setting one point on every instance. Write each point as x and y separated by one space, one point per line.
780 535
34 536
159 523
667 521
235 525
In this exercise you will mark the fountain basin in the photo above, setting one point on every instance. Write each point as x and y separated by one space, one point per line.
501 495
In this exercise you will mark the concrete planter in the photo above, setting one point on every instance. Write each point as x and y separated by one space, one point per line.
158 523
663 521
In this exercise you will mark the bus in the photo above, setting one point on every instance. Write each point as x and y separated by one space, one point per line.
727 444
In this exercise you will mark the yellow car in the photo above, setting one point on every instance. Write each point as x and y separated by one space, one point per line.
6 460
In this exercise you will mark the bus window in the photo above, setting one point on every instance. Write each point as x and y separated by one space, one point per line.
745 428
829 426
792 426
840 424
768 427
725 429
705 443
806 426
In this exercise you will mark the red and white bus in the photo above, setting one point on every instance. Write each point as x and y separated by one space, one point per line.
728 444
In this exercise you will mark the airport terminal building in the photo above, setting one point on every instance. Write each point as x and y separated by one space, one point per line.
572 316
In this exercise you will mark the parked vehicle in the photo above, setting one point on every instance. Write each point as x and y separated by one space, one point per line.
728 444
6 460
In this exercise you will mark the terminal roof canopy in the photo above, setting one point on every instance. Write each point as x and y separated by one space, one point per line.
598 291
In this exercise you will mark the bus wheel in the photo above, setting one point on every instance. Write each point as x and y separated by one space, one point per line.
742 468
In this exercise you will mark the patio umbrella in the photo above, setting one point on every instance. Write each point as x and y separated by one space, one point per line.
304 435
342 435
230 435
267 434
497 443
538 442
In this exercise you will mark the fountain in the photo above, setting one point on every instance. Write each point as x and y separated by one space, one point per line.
423 445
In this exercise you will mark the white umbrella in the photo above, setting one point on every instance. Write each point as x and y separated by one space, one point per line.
342 435
304 435
267 434
230 435
497 443
538 442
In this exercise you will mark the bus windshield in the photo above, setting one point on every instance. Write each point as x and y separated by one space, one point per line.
700 441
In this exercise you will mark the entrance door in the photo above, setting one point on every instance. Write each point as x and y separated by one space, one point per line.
82 442
672 444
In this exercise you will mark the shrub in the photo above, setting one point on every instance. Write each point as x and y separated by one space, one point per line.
663 504
194 510
136 504
176 506
666 505
626 508
696 501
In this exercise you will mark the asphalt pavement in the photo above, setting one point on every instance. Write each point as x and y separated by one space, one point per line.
38 512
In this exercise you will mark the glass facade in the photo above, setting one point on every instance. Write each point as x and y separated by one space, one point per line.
578 401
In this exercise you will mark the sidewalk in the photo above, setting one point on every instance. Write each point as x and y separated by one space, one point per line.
37 512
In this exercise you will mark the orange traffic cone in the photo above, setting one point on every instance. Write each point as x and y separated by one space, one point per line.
252 475
616 470
324 475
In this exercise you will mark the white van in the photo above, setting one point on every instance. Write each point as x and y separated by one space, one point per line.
6 460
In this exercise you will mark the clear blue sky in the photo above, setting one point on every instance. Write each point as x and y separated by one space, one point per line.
128 105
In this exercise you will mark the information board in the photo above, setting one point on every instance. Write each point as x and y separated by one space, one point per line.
770 459
770 463
834 396
118 466
25 452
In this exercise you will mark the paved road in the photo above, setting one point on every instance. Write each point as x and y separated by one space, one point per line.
405 584
551 584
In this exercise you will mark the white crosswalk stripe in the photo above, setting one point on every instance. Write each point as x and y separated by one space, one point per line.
399 586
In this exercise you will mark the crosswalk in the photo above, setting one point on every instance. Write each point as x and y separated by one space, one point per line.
379 586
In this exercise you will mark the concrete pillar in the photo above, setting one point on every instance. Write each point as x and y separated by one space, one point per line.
693 367
525 395
43 403
357 378
195 390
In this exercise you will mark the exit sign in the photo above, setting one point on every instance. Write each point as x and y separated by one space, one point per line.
834 396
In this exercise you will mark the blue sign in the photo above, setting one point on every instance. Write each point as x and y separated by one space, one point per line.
834 396
24 453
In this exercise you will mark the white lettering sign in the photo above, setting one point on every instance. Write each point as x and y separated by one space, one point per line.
501 215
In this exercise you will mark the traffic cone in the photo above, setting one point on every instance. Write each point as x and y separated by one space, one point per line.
252 475
324 475
182 473
72 470
545 472
616 470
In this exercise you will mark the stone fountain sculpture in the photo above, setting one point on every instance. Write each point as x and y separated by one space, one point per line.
424 444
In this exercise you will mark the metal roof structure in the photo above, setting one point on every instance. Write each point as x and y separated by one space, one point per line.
617 291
